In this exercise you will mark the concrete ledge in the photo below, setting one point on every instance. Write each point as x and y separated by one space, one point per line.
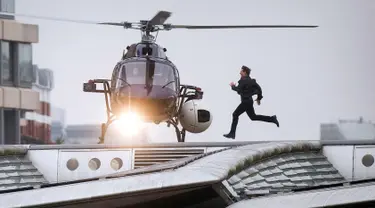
11 97
6 150
19 98
141 145
192 144
14 31
29 99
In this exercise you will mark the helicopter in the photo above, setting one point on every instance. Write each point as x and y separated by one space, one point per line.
146 82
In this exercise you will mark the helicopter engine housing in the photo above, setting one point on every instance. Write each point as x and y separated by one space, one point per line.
195 116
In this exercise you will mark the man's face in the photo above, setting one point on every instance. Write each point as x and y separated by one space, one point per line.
242 73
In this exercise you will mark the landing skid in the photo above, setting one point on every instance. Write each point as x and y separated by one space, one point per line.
104 128
180 134
184 96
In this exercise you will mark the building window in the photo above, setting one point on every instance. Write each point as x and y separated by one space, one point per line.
25 64
8 7
50 78
7 61
43 78
35 71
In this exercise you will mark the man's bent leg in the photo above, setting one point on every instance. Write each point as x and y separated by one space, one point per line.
236 114
270 119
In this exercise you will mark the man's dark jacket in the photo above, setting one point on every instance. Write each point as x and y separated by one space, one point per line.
248 87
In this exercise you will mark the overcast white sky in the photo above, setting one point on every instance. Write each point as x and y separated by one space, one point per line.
308 76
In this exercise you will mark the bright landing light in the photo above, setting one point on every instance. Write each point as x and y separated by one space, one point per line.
130 123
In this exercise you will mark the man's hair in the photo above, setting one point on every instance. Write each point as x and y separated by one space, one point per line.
246 69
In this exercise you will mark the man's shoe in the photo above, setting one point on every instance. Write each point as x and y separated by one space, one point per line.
230 136
275 120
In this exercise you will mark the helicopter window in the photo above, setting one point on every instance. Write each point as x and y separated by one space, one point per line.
133 73
115 75
164 76
152 50
142 50
158 51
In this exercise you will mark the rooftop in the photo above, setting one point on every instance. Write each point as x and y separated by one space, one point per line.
347 195
226 172
16 171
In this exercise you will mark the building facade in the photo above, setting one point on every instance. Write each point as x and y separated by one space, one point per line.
16 73
83 134
37 124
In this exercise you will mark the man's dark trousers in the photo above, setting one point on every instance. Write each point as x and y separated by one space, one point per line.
247 106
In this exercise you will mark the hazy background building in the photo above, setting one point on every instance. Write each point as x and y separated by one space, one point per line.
38 123
348 130
58 124
61 132
89 134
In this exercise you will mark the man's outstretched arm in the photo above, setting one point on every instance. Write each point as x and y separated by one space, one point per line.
238 87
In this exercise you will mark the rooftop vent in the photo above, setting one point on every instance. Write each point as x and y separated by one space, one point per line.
147 157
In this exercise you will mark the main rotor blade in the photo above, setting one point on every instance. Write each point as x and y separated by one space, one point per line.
236 26
49 18
160 18
122 24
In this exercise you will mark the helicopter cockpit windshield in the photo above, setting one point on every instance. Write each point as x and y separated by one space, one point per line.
147 73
